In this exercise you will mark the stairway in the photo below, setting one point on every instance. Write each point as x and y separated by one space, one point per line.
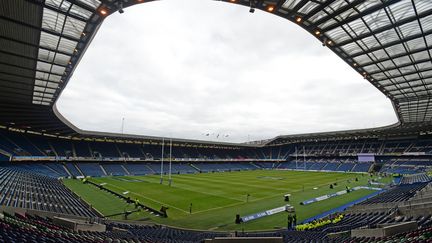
103 169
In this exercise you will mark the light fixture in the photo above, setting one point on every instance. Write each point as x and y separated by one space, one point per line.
298 19
355 64
120 7
326 42
270 8
103 12
233 1
317 32
252 6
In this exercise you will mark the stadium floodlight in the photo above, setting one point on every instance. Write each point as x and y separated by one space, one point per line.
252 6
325 42
120 7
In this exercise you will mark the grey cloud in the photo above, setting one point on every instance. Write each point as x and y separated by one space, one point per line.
184 68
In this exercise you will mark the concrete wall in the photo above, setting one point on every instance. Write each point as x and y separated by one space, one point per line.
79 225
385 230
371 208
12 210
416 209
245 240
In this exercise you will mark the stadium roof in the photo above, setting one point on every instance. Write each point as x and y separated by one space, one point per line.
388 42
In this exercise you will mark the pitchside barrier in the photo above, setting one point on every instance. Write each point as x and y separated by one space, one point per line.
286 208
325 197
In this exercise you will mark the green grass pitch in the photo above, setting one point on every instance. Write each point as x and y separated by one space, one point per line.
217 197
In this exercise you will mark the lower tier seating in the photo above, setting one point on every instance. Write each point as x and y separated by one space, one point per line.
32 191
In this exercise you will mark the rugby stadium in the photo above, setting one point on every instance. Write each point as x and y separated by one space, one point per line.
59 183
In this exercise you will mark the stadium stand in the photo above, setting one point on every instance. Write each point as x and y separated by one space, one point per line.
416 178
73 170
138 169
29 190
316 156
41 42
220 167
361 167
398 194
58 168
90 169
266 165
114 169
26 228
32 191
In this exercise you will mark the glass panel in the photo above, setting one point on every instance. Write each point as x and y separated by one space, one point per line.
73 27
52 20
66 45
49 41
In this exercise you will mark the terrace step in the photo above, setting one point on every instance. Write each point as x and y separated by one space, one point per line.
67 170
103 169
193 166
79 170
252 163
150 168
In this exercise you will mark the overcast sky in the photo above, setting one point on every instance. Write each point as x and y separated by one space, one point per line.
188 68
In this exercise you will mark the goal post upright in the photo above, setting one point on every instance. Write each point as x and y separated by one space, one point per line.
170 162
162 161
